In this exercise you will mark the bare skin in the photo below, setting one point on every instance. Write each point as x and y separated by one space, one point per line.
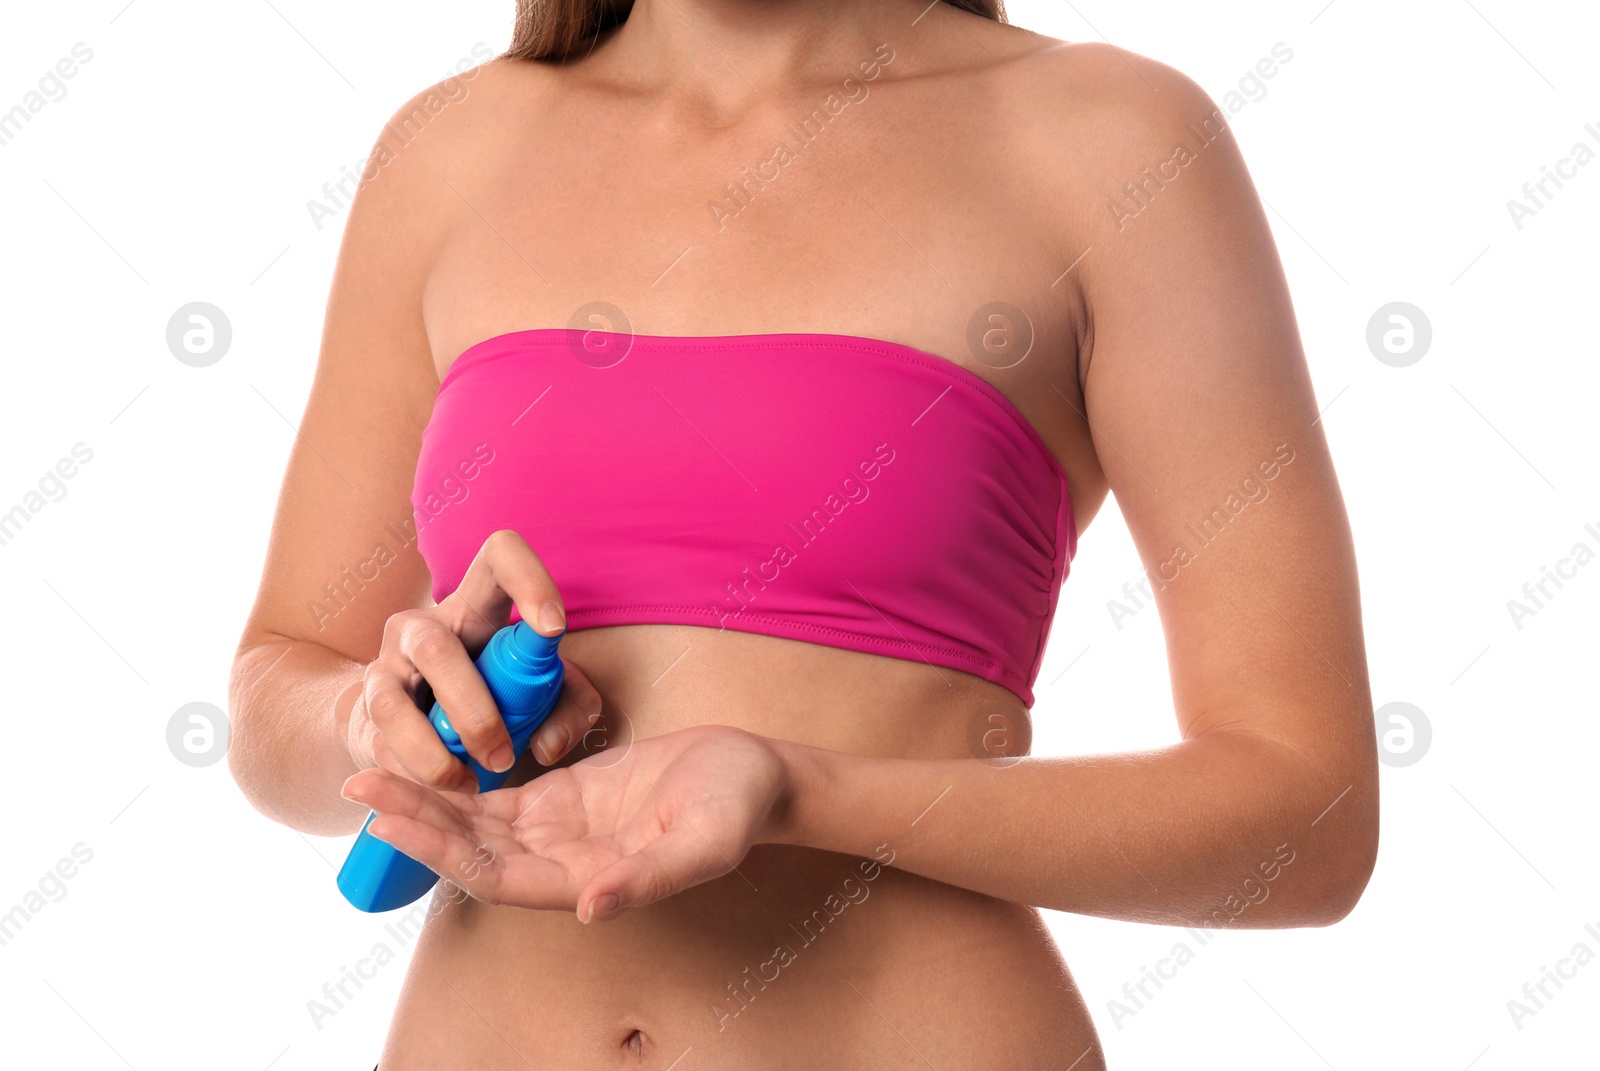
979 167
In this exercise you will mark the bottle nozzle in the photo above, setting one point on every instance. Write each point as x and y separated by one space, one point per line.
530 648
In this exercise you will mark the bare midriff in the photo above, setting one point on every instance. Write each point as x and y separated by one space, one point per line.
798 959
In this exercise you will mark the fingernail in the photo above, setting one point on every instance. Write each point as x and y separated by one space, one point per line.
501 759
552 741
552 618
603 906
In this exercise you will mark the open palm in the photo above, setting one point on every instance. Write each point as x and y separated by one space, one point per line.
637 824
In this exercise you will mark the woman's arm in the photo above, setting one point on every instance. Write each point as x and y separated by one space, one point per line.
1206 425
324 596
327 675
1226 828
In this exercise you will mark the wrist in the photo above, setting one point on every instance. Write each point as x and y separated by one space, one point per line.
792 820
357 746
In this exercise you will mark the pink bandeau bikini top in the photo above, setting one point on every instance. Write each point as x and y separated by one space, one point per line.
844 491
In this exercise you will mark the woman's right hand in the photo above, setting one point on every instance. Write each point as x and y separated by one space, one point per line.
388 727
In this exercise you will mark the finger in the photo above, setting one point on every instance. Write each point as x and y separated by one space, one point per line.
386 759
461 814
450 855
506 573
494 875
389 793
405 730
440 657
383 755
676 860
576 710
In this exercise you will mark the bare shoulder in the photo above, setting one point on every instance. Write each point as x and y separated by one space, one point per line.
445 127
1087 119
417 183
1142 158
1109 104
1073 82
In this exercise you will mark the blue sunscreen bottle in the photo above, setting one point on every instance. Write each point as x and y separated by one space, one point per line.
524 675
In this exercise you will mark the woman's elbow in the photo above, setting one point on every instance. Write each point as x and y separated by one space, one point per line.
1352 856
249 761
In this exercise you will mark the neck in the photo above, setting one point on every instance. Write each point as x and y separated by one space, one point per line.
722 54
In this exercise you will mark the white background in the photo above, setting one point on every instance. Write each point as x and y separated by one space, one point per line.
177 168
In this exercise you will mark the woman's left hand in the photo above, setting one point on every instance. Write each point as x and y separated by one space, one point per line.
624 827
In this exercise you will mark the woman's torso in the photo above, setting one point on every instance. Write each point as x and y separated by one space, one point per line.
931 194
